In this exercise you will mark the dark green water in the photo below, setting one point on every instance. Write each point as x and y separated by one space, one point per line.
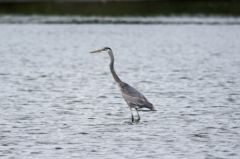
142 8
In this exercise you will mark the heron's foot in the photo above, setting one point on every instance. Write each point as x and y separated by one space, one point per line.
135 120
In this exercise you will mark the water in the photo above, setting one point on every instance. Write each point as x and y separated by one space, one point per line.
59 101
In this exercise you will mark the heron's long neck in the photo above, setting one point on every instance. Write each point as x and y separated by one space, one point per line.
115 76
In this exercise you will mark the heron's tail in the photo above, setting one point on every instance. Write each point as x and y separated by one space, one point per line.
149 106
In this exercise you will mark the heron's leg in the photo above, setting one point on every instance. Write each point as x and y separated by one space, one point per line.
132 115
137 114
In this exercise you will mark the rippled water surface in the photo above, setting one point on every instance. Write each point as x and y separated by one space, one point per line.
59 101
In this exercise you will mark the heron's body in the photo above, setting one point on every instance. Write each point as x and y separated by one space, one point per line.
133 98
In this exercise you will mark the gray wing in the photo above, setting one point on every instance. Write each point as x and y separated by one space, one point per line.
134 98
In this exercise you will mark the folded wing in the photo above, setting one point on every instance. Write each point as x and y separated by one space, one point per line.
134 98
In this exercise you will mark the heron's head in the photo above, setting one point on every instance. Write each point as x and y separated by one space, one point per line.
105 49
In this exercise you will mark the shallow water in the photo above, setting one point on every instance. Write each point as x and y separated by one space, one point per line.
59 101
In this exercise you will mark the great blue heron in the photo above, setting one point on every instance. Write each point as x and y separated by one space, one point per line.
134 98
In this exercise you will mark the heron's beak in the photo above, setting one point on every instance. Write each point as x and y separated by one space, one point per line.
96 51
